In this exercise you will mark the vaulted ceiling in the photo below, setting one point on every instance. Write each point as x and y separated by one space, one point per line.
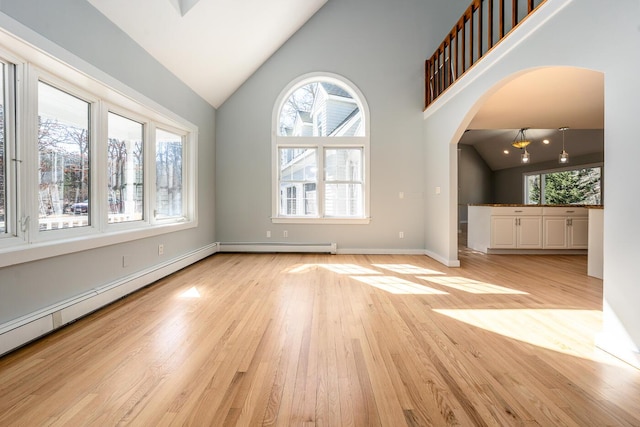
211 45
215 45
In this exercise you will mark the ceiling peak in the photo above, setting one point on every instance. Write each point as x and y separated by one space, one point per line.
183 6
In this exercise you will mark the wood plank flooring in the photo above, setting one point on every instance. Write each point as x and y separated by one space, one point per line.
322 340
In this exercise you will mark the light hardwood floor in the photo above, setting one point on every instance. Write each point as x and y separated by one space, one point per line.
292 339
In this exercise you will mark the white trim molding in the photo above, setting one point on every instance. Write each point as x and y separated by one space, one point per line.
20 331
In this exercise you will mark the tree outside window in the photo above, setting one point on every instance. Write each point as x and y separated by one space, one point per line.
567 187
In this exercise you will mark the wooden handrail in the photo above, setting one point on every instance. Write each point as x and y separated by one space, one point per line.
460 51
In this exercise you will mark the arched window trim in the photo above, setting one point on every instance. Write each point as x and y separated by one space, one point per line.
320 143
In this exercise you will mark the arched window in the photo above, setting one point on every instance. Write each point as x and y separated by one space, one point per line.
320 152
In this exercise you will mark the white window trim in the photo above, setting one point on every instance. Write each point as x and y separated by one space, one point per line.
320 143
97 87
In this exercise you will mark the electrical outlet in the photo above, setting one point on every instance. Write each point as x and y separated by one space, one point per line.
401 235
285 234
160 249
268 234
401 195
125 261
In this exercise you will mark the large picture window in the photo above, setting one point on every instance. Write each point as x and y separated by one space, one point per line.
582 186
83 165
321 152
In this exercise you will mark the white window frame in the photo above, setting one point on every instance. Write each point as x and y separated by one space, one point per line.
188 179
25 242
320 143
10 155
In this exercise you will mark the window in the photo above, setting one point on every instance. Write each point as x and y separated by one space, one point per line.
320 152
564 187
3 155
125 160
169 164
83 165
63 152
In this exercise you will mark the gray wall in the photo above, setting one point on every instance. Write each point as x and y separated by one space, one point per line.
381 47
508 184
474 180
79 28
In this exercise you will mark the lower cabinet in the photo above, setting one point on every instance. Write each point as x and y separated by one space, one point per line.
516 232
566 228
527 227
522 231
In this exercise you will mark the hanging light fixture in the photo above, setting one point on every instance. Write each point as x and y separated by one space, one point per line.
563 157
522 142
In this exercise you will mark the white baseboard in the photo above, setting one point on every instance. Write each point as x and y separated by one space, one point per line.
22 330
442 260
279 247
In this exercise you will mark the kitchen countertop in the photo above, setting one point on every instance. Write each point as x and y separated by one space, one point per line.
521 205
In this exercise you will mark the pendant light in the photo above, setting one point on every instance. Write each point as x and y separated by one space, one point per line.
522 142
563 157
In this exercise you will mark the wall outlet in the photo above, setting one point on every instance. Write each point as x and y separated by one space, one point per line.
160 249
268 233
401 234
401 195
285 234
126 260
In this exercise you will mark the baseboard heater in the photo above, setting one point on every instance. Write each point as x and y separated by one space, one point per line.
21 331
330 248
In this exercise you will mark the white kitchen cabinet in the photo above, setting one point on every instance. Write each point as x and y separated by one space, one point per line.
565 228
578 233
516 228
528 229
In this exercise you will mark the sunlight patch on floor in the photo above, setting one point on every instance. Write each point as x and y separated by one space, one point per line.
472 286
190 293
396 285
408 269
335 268
553 329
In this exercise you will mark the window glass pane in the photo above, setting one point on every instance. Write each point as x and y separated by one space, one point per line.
298 164
321 109
298 176
125 190
343 164
3 163
343 173
169 154
579 186
532 195
343 200
63 147
567 187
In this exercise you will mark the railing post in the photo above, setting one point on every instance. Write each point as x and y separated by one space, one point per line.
489 24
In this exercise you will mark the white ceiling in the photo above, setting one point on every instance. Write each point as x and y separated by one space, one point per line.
211 45
543 100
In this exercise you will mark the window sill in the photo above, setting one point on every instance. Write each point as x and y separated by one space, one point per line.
332 221
18 253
